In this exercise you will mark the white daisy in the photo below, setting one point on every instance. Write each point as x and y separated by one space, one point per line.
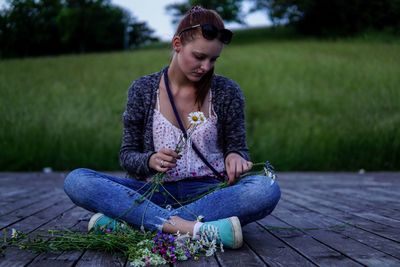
196 118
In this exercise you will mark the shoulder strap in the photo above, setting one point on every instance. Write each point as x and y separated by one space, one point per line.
171 100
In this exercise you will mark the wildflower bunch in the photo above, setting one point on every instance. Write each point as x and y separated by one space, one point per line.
140 248
205 244
164 245
143 256
185 248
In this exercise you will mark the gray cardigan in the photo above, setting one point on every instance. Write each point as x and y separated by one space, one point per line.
137 140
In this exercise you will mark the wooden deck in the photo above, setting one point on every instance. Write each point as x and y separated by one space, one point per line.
337 219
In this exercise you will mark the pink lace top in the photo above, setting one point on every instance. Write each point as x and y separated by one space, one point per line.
165 134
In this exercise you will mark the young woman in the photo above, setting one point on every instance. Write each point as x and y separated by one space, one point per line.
155 118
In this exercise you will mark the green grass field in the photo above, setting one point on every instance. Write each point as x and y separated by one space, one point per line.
310 105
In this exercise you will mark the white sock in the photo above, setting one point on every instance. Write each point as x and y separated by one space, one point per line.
196 229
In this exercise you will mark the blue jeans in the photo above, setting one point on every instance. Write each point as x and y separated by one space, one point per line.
251 199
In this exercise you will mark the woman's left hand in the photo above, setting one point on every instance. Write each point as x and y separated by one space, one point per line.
235 165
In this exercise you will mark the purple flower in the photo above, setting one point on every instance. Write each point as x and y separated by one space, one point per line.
164 245
173 258
187 254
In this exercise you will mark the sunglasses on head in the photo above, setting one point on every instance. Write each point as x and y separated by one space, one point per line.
210 32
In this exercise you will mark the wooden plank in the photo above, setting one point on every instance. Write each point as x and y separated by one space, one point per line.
31 179
54 198
364 195
25 202
312 249
11 193
312 197
387 191
325 207
32 194
324 222
18 178
329 181
239 257
374 213
356 200
355 250
76 220
40 218
270 249
333 180
94 258
202 262
359 207
25 190
47 219
65 258
335 199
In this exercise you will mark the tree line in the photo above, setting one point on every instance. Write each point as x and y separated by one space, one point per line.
334 18
50 27
43 27
328 18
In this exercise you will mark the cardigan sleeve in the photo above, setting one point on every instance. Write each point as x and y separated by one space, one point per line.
132 156
234 129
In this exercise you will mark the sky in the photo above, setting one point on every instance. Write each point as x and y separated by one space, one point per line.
154 14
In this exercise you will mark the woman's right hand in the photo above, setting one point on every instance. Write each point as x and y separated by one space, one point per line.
163 160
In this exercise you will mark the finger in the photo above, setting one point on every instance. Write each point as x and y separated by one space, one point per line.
166 164
250 165
168 159
239 169
229 172
245 166
231 179
230 169
232 174
169 152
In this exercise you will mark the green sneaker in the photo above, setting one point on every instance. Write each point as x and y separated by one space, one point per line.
226 231
102 223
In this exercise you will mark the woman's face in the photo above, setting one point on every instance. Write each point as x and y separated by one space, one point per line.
198 56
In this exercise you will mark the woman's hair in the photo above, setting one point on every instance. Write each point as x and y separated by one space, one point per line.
199 15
